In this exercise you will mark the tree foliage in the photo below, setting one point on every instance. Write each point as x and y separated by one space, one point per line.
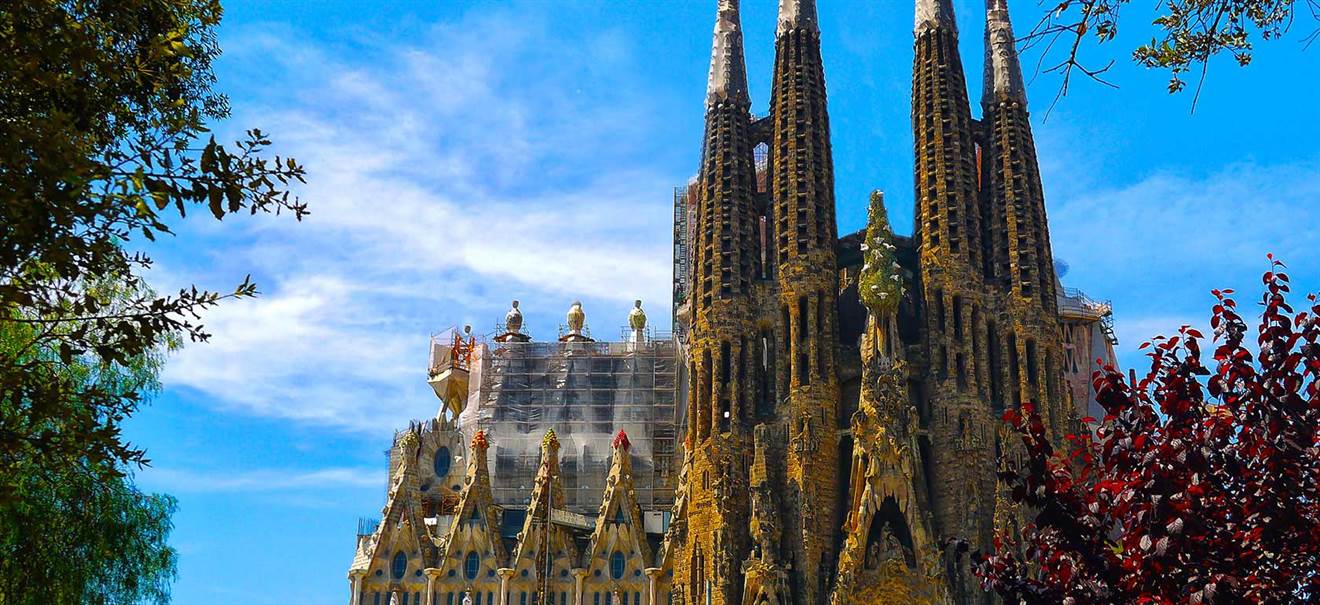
81 532
103 113
1198 486
1188 33
104 143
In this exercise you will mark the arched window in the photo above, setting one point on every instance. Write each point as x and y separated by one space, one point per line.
442 462
617 564
472 565
399 566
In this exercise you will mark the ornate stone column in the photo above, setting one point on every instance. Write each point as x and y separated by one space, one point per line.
355 585
652 575
432 574
578 576
505 574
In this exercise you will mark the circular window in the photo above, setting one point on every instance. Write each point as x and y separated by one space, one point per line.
472 565
442 461
617 564
400 565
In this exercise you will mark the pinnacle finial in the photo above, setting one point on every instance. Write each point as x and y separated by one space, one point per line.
621 440
797 14
479 441
933 14
577 318
728 70
1003 72
550 441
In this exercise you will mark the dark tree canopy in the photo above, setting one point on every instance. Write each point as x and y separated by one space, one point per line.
1200 485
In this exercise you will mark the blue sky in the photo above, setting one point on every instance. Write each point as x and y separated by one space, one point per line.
461 154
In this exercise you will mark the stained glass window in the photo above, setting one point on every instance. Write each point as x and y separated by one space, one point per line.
442 461
471 566
400 565
617 564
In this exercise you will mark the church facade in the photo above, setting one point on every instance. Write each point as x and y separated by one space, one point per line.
822 426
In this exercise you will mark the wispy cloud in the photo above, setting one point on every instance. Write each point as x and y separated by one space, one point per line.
1158 246
441 185
261 480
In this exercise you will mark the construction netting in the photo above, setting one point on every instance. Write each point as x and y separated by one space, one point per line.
586 392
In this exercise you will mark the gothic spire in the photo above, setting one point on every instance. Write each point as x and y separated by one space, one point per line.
1003 73
797 14
936 14
728 71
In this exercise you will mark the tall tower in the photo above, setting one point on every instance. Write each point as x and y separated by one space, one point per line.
714 540
947 228
1021 264
802 186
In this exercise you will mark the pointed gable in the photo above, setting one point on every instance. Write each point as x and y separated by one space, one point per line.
547 497
402 532
619 526
474 527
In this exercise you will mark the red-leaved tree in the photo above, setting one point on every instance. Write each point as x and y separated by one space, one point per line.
1198 486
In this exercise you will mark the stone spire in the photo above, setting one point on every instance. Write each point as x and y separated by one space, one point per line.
726 263
948 233
728 70
935 14
797 14
802 193
1003 73
948 221
1020 260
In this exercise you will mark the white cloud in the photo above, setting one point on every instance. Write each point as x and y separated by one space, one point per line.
444 179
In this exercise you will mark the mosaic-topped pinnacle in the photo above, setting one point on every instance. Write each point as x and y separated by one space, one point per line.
479 442
1003 72
797 14
932 14
577 318
621 441
637 317
728 70
513 320
550 441
408 440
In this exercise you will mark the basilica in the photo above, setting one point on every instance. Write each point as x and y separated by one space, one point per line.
821 425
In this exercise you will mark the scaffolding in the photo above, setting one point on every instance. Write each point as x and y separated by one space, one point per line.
586 392
1075 304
